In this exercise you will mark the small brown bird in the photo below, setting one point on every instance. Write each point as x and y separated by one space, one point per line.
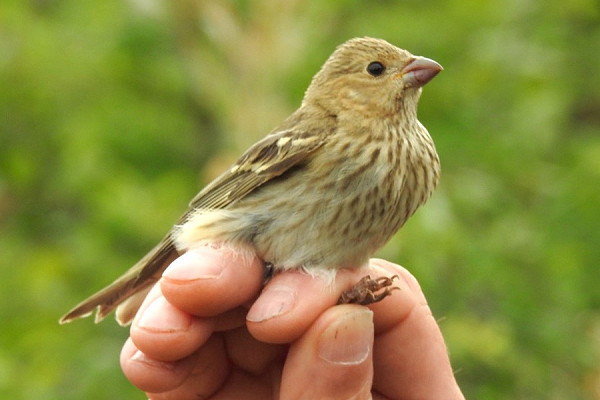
323 191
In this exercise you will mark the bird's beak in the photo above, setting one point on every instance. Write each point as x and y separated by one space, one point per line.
419 71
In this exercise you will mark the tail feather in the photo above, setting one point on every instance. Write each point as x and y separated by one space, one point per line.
138 279
127 310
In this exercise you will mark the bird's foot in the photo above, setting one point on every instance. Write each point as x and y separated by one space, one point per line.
365 291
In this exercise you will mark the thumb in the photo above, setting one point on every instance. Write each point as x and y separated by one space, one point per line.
333 359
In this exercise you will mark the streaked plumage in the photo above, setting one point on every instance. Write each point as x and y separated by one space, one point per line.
325 189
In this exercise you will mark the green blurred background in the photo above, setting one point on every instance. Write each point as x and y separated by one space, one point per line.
114 113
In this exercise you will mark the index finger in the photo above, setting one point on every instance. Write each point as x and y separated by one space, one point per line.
409 354
211 280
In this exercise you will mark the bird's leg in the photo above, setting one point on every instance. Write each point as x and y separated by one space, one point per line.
365 291
269 270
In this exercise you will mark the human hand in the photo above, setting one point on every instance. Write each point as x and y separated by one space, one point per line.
202 332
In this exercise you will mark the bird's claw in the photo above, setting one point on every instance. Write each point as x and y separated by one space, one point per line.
365 291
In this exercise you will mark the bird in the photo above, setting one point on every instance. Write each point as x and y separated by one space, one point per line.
322 191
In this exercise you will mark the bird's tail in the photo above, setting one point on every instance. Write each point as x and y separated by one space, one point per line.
129 290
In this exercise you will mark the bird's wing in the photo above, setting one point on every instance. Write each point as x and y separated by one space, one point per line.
265 160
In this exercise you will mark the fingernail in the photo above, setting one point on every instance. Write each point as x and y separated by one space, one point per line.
348 340
138 356
201 263
161 317
274 301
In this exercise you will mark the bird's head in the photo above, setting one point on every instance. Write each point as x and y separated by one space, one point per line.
371 76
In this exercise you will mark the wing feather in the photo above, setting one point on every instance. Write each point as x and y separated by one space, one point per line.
262 162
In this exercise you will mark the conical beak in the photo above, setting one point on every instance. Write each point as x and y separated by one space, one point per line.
420 71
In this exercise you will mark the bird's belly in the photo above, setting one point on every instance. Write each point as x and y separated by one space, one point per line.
327 227
315 224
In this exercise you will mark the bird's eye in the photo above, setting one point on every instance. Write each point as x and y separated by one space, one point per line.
375 68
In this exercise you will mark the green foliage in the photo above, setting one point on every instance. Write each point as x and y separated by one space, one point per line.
109 110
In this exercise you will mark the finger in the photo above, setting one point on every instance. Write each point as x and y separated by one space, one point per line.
250 355
396 306
243 386
293 299
409 355
210 280
338 349
231 319
210 371
151 375
290 303
163 332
